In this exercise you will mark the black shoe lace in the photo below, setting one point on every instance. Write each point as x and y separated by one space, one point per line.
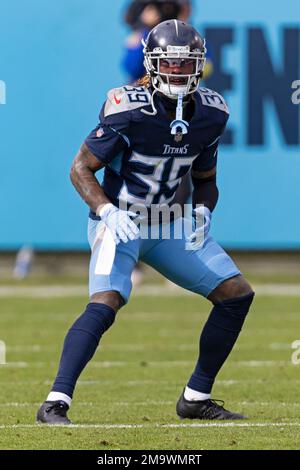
213 407
59 409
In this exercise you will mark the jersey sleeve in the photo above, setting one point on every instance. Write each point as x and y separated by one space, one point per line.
216 112
208 157
110 136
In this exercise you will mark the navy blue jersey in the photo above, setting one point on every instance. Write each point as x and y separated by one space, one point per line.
144 164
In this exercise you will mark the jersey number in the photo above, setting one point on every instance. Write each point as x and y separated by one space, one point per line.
136 94
156 169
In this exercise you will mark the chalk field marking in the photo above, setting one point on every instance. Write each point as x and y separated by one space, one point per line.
45 291
158 364
149 403
152 426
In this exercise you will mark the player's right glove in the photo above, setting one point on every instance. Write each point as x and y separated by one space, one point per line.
120 223
201 225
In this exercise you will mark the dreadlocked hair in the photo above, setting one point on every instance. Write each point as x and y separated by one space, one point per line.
144 81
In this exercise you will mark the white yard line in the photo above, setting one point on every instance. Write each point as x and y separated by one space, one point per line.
153 426
158 364
129 347
37 348
45 291
162 383
150 403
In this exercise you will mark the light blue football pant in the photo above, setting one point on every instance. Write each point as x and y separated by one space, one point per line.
199 271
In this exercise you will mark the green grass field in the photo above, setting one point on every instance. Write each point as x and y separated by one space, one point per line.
127 395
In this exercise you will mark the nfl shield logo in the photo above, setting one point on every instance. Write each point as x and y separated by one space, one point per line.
178 137
100 132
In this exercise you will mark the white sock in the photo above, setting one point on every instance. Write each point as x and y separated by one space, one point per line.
54 396
193 395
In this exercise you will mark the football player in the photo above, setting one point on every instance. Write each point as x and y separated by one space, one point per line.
147 139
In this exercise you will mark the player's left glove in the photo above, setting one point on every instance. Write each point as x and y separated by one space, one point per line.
201 225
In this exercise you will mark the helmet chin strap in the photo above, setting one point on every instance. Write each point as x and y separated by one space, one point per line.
179 127
154 110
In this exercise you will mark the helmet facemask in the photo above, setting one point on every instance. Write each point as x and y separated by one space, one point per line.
166 82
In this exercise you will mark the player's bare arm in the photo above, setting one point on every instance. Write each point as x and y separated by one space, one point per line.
82 175
205 188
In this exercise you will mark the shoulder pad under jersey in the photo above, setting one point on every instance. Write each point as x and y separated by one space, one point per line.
213 99
126 98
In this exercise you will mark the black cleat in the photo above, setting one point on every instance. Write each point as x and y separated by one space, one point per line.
53 412
206 409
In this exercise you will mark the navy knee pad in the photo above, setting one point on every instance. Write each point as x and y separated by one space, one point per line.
230 314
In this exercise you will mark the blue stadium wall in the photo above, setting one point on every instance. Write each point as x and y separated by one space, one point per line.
58 59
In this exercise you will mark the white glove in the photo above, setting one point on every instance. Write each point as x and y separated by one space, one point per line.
119 223
201 225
